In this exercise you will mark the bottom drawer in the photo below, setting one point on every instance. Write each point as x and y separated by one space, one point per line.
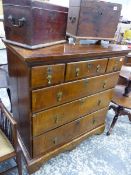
67 132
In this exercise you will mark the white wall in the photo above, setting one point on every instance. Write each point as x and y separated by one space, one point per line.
126 6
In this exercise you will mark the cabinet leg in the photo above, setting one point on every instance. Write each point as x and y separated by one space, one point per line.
114 120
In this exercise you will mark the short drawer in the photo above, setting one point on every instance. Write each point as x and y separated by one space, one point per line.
47 75
54 117
60 94
115 64
67 132
77 70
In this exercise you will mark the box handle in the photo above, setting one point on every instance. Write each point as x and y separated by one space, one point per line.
16 23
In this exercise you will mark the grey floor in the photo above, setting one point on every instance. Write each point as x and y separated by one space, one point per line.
98 155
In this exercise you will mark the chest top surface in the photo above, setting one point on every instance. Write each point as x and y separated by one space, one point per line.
68 52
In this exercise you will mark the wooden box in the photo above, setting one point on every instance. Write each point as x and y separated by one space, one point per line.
93 19
34 24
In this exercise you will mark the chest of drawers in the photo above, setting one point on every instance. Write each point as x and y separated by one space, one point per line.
60 95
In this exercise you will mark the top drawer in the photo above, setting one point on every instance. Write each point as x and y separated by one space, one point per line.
47 75
82 69
115 64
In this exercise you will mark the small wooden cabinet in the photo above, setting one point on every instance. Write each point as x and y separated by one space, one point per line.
93 19
60 95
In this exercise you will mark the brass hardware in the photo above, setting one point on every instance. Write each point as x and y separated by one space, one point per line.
86 82
16 23
99 102
77 71
77 122
55 140
82 101
56 119
89 65
94 121
98 68
115 68
72 19
105 83
49 76
59 96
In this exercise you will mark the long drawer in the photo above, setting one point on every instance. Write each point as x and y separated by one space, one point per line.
56 95
67 132
57 116
77 70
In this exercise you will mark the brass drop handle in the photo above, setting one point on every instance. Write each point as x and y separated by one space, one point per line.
72 19
98 68
89 66
16 23
115 68
99 102
86 82
94 121
77 71
55 140
82 101
56 119
105 83
59 96
49 75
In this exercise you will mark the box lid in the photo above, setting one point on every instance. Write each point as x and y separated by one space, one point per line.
35 3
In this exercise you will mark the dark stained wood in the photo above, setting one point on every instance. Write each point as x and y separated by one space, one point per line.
47 75
122 103
70 91
115 64
50 119
59 136
42 24
89 19
20 96
77 70
69 52
121 100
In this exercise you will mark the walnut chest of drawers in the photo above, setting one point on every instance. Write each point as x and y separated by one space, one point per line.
60 95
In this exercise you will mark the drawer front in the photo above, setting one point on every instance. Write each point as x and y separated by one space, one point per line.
47 75
56 95
115 64
85 69
52 118
67 132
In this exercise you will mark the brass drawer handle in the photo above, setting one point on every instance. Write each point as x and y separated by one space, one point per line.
89 65
49 75
105 84
94 121
82 101
86 82
114 68
59 96
77 71
99 102
56 119
98 68
55 141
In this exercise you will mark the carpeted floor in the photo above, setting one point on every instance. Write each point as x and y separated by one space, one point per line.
98 155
